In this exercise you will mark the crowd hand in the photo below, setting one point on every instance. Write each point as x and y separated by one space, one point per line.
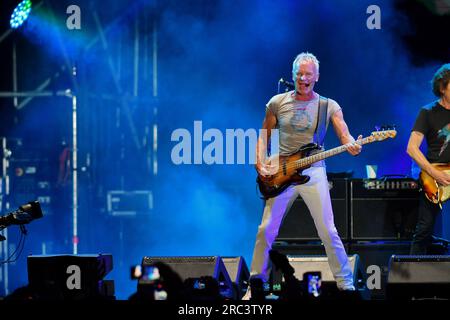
441 177
267 168
355 147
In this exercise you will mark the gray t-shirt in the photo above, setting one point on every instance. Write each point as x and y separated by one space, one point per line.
297 120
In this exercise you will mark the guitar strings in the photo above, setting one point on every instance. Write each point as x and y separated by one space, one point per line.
339 149
294 165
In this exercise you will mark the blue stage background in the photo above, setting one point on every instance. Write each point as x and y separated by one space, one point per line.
218 62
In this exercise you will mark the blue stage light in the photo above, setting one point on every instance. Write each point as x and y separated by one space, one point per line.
20 14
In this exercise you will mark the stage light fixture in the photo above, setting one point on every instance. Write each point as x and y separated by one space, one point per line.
25 214
20 14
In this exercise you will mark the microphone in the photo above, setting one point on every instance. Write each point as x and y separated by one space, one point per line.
287 83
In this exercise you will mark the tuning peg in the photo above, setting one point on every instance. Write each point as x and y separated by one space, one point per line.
389 127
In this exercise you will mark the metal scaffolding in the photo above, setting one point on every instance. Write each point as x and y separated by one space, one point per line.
77 94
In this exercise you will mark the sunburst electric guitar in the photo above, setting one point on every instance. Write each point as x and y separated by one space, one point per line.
290 167
433 191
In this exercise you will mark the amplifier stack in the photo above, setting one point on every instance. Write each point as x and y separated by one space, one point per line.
364 210
383 209
375 219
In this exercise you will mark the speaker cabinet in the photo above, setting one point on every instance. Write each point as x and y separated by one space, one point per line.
419 277
383 209
239 274
303 264
70 277
189 268
374 256
303 249
298 224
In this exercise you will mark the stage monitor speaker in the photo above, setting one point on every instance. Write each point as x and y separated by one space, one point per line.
303 264
196 267
298 224
303 249
239 274
419 278
70 277
374 256
383 209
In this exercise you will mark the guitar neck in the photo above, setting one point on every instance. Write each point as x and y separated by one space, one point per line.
304 162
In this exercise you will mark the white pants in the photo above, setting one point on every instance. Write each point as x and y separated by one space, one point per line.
316 195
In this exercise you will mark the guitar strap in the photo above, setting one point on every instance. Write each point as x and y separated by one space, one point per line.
321 125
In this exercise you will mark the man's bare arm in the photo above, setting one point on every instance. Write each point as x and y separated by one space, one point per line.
269 123
342 132
413 150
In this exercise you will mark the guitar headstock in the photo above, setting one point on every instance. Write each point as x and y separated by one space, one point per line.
384 132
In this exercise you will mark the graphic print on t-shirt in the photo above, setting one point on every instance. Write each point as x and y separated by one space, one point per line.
301 121
444 133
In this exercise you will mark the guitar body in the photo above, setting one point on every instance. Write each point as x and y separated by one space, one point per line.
434 192
287 174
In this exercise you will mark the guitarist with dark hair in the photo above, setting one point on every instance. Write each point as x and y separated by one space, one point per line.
301 117
433 124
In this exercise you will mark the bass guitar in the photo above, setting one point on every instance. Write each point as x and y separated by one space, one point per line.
290 167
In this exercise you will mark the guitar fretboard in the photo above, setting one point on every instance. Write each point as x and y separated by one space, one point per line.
304 162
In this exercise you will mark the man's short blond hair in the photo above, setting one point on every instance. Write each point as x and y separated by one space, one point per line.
304 56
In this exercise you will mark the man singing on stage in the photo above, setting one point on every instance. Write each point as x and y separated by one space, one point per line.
296 115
